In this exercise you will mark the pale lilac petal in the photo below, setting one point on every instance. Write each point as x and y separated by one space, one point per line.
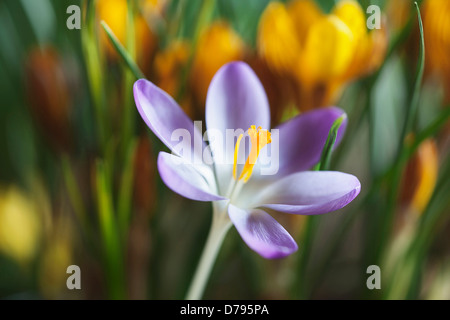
236 100
168 121
301 140
262 233
192 181
309 192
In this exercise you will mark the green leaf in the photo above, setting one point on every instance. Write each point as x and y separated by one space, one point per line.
388 104
244 17
411 113
124 206
74 192
123 53
432 129
324 163
95 71
109 233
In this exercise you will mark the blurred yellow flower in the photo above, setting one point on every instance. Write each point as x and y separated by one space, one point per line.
169 64
398 13
279 44
56 257
114 13
436 25
168 67
309 12
323 52
420 177
153 7
217 45
20 225
328 51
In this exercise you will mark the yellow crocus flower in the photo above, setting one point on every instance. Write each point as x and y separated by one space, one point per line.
20 225
310 13
351 13
55 259
328 51
322 51
436 25
277 41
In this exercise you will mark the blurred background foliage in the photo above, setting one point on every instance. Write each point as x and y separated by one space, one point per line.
78 180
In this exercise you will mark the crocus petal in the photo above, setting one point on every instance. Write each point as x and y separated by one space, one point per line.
168 121
262 233
192 181
236 100
302 139
309 192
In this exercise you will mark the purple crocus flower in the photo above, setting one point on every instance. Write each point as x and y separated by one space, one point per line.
236 100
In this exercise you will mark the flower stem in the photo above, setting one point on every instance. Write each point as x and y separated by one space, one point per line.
219 227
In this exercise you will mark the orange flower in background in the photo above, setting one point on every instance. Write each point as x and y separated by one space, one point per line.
153 8
420 177
218 44
114 13
398 13
47 86
168 66
323 52
436 25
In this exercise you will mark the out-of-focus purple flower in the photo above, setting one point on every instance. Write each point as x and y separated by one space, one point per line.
237 100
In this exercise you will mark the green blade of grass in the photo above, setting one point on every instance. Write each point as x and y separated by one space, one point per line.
123 53
412 110
110 235
302 287
124 206
429 131
328 148
385 222
94 68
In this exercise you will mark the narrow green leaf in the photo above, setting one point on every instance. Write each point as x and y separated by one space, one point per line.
123 52
124 206
128 111
412 110
430 130
302 286
74 192
109 233
387 216
324 163
94 67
